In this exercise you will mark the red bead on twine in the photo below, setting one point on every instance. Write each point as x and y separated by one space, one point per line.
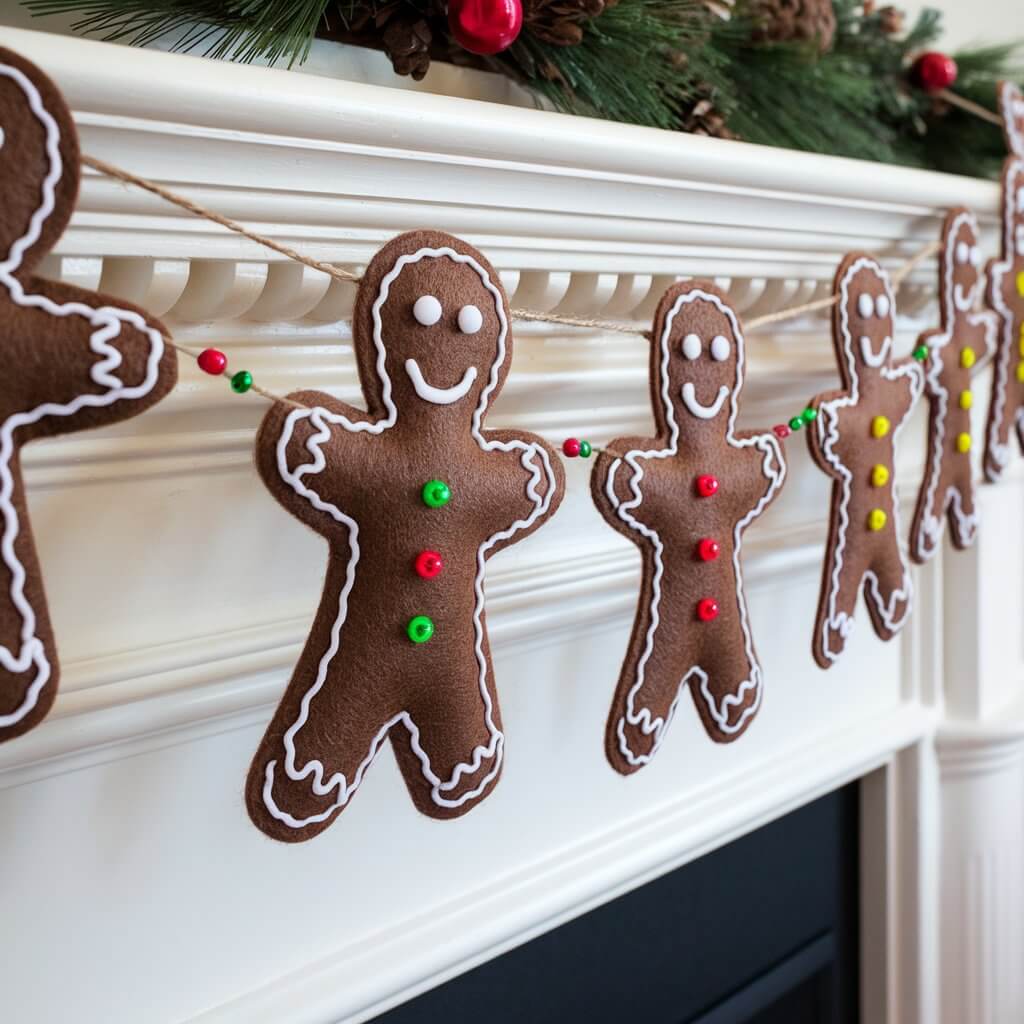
707 485
571 447
707 609
212 361
782 431
934 71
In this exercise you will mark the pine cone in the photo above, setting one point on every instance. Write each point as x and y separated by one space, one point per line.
560 22
406 41
784 20
891 20
704 119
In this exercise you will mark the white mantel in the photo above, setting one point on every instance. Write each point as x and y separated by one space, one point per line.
181 592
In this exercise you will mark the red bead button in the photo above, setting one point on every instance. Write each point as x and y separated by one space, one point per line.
428 564
212 361
706 485
708 549
707 609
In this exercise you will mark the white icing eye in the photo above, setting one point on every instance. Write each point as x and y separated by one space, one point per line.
882 306
865 305
975 256
427 310
963 252
1020 199
720 348
470 319
691 346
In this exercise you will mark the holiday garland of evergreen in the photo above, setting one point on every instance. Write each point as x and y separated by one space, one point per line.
825 78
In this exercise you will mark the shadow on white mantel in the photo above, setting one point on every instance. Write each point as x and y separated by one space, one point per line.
131 872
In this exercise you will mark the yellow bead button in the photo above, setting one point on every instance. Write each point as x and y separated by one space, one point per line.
967 357
879 426
879 475
877 519
1021 345
963 443
1020 371
1020 284
966 399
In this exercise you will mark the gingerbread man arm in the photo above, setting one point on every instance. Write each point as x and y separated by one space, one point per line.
907 381
759 489
613 480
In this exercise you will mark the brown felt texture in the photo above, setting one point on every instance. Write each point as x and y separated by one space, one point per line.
716 659
376 478
947 488
1004 294
47 357
842 443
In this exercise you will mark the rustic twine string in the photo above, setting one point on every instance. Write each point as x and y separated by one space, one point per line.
971 107
341 274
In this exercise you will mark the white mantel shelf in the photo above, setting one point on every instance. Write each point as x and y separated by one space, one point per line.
131 871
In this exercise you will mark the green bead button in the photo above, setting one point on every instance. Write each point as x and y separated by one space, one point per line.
420 629
585 449
921 353
241 382
436 494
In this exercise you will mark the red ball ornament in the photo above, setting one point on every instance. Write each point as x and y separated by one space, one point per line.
707 609
934 71
212 361
707 485
571 447
485 26
429 564
708 549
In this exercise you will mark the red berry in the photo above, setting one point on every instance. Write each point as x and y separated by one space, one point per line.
571 447
428 564
708 549
782 430
934 71
706 485
212 361
485 26
707 609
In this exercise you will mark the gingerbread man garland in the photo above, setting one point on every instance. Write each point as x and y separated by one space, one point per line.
73 359
685 497
412 496
1006 297
966 336
853 440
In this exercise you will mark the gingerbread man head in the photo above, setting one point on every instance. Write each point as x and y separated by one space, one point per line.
39 164
1013 213
961 264
431 332
696 362
864 320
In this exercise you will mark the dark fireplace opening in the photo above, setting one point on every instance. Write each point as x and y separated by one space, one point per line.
762 931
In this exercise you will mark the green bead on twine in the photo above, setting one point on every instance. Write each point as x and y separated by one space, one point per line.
420 629
585 449
796 423
809 415
241 382
436 493
921 353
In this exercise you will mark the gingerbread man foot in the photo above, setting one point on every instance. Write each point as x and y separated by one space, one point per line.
412 496
685 498
852 439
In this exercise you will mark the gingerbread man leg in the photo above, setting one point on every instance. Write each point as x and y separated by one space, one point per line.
888 592
841 584
963 516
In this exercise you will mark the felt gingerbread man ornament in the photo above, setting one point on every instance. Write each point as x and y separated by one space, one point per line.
72 359
965 337
1006 297
685 498
852 438
413 496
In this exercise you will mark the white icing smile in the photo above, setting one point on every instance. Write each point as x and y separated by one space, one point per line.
868 354
964 302
439 396
703 412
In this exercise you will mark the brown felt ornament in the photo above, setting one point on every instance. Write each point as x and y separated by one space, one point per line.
852 439
412 496
72 359
1006 297
965 337
685 497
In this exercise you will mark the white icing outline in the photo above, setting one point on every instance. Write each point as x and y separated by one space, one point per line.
1011 103
323 420
774 469
107 321
998 453
827 425
693 404
933 523
439 396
